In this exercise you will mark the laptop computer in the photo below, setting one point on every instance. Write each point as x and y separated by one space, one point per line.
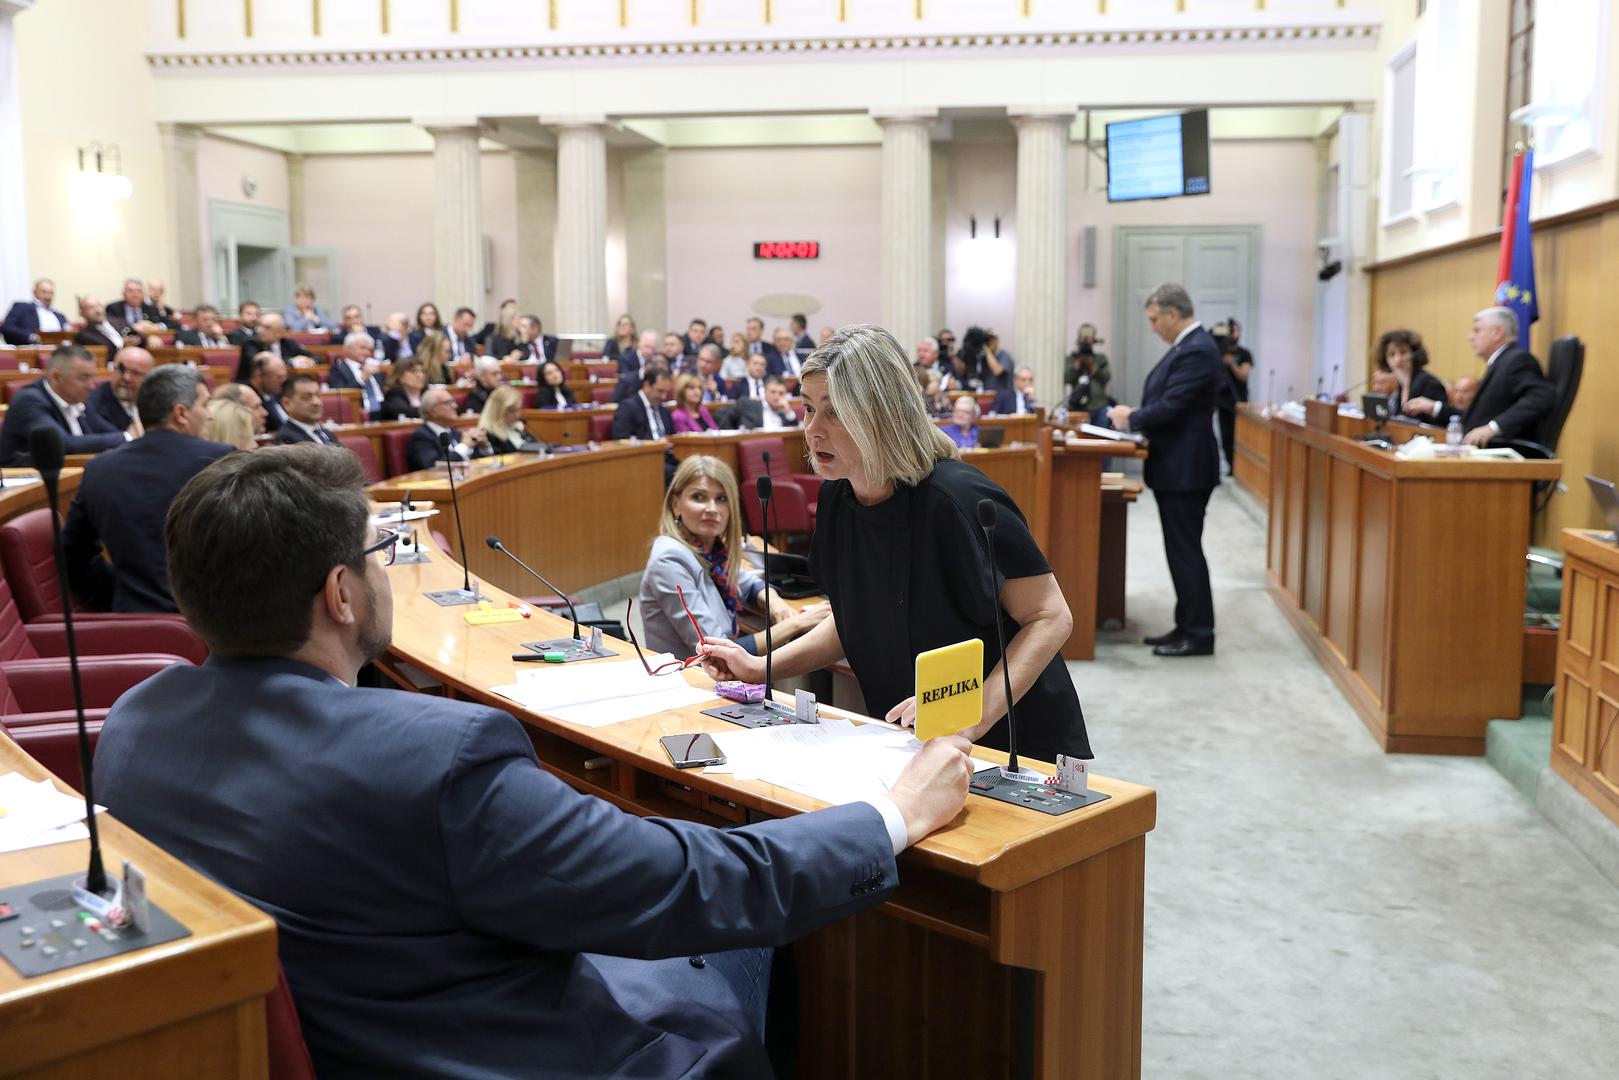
1607 497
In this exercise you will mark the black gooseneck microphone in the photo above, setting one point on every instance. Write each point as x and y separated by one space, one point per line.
764 489
494 542
1334 382
986 521
46 450
1320 381
455 501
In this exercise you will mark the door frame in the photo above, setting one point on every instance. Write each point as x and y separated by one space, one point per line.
1124 304
231 224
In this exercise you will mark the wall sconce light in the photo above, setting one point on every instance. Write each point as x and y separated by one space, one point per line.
972 226
101 172
997 226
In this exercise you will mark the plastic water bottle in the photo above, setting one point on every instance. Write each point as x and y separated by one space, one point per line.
1453 431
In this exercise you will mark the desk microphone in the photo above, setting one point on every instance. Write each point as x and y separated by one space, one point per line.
1334 383
449 467
1270 389
494 542
986 521
45 448
1320 382
764 489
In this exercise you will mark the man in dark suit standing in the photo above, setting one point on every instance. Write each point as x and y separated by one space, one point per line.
125 495
28 317
569 939
115 400
1018 398
1512 398
247 324
59 398
1183 461
209 332
423 449
271 338
300 399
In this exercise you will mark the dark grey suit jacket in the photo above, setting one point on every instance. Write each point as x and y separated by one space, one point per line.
439 896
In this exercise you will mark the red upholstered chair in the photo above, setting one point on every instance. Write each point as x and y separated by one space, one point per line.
336 408
393 451
284 1035
225 358
55 743
601 428
601 393
135 636
794 494
360 447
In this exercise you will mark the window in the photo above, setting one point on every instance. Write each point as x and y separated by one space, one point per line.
1565 80
1399 135
1520 64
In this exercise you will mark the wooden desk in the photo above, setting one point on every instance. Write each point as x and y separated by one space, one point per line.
1406 579
1019 427
194 1007
1001 903
1119 493
1584 750
1252 469
1075 545
20 500
579 519
564 427
722 444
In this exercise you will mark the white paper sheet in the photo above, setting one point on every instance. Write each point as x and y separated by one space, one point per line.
37 813
602 693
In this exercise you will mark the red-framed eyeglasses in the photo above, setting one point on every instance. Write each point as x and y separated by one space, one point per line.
671 666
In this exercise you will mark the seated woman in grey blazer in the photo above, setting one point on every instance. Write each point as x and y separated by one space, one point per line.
699 556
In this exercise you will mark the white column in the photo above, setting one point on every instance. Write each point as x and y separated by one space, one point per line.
14 276
536 233
295 199
184 199
457 216
1040 311
581 224
907 231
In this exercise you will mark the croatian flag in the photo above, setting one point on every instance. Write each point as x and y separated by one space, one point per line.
1515 273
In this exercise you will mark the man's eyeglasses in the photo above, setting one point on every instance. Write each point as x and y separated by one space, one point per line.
387 542
671 666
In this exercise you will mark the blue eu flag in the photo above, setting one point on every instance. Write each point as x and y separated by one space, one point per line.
1518 291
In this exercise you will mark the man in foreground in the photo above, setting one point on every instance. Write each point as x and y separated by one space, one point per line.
447 908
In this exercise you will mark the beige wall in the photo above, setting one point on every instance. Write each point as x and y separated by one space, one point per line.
80 82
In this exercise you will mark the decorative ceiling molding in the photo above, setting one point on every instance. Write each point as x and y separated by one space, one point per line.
506 54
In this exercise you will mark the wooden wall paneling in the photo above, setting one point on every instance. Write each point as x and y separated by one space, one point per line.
1013 468
1317 495
1376 577
1343 535
1571 715
1604 738
1074 545
1276 507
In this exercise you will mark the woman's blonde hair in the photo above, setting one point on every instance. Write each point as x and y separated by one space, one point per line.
506 321
873 390
738 336
682 384
700 467
635 333
493 417
229 422
434 354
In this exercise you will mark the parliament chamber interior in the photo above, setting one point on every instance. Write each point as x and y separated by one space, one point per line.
461 462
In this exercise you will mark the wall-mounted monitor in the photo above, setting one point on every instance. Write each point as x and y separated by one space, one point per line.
1158 157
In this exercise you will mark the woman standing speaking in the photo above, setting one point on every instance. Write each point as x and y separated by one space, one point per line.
898 550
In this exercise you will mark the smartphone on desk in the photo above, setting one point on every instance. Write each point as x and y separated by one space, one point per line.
692 751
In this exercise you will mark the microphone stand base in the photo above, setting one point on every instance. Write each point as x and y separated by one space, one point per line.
42 904
571 648
754 714
995 784
455 597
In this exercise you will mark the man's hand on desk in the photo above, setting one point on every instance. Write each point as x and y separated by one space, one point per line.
1479 436
724 659
1420 407
933 788
1119 417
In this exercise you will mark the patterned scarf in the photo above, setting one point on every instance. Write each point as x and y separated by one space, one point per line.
719 568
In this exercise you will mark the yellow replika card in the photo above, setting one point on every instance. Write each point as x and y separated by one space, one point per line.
948 695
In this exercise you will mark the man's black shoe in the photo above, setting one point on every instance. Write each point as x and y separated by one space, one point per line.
1164 639
1186 647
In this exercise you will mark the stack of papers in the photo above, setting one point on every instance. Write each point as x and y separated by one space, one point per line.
836 761
34 814
601 693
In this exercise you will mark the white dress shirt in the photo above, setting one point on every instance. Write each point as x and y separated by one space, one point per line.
457 447
318 434
654 416
71 412
111 334
47 318
1193 325
773 420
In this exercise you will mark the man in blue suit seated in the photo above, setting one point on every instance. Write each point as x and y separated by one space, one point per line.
1018 398
356 369
301 401
423 450
446 907
126 492
28 317
59 398
1183 461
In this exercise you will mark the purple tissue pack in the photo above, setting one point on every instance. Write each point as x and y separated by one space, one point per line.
745 692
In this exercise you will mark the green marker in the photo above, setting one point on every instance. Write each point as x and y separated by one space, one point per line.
555 657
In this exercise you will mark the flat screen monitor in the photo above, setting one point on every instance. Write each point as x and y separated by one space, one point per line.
1158 157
